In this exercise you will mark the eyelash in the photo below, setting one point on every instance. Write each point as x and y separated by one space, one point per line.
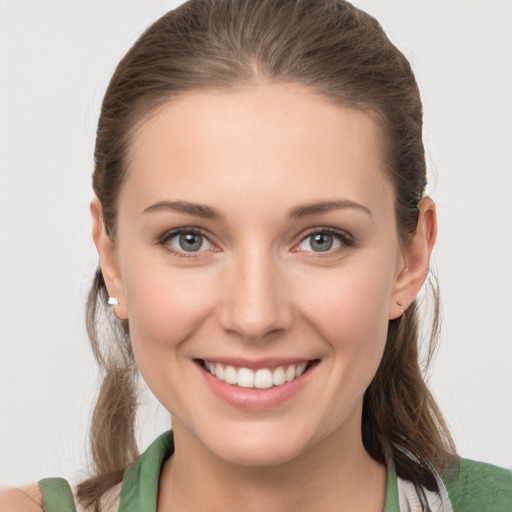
169 235
342 236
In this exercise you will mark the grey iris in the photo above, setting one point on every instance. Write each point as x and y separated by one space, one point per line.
321 242
190 242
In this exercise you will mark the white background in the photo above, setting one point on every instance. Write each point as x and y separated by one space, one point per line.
55 60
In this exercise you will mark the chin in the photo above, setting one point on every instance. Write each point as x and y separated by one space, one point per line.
259 445
269 455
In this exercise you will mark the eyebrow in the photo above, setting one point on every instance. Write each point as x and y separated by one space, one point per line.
297 212
301 211
198 210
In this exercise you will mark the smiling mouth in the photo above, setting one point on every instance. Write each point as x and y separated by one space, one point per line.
262 378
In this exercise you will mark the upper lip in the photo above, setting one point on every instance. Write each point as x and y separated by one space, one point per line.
257 363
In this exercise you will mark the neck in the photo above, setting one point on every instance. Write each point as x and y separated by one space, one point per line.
335 474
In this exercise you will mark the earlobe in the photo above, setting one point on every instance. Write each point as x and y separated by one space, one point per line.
108 259
415 257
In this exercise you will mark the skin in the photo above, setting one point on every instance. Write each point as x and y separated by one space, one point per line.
23 499
257 290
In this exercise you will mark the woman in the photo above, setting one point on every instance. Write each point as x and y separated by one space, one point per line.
263 232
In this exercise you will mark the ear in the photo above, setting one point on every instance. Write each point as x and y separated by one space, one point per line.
415 260
108 259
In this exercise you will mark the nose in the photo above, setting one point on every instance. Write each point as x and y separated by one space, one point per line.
256 305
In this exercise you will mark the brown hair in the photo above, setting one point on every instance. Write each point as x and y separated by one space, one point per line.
340 53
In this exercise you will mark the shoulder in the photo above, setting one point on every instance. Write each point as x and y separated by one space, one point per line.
21 499
479 486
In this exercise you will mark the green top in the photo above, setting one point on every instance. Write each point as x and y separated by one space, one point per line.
472 486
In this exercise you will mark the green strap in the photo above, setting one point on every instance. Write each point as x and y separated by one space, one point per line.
57 495
140 483
391 504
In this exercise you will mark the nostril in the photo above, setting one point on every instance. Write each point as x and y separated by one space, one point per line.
256 325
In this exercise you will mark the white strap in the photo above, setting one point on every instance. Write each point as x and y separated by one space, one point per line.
410 501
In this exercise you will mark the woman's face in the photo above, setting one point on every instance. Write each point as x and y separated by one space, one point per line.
256 236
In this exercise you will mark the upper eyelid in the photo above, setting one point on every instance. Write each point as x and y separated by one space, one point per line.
345 238
333 231
170 233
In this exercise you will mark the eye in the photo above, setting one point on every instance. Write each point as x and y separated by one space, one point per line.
326 240
185 241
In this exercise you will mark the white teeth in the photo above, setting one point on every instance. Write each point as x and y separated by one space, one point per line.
298 371
219 371
263 378
245 378
290 373
230 375
210 367
278 377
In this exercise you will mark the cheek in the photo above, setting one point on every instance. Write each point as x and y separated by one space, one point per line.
165 309
348 307
166 305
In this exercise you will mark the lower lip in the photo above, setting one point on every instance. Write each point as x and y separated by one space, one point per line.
253 398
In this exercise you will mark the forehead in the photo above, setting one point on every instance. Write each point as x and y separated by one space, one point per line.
279 142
